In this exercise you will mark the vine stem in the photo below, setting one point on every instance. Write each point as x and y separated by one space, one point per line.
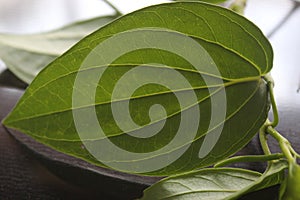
118 12
249 158
283 143
294 152
268 127
270 83
263 141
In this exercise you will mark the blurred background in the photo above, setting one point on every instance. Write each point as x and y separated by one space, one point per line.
29 16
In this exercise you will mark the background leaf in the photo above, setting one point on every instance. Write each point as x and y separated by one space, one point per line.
26 55
238 48
215 183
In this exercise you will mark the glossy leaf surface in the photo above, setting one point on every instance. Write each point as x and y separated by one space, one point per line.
27 55
225 100
215 184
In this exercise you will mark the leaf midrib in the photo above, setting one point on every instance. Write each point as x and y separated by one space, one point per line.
144 96
134 64
226 119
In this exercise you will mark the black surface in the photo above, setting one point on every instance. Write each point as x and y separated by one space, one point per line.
21 175
29 170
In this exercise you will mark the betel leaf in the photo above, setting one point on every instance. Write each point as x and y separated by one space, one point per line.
159 91
215 183
26 55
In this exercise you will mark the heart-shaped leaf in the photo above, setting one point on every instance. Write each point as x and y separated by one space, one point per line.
215 183
162 90
26 55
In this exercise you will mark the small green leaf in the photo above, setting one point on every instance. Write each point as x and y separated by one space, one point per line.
26 55
272 176
215 183
109 111
290 188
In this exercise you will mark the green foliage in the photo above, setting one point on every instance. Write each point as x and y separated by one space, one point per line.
215 183
235 59
242 56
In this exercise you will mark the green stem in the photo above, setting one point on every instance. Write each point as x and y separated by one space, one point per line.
274 107
283 143
270 83
294 152
118 12
249 158
263 141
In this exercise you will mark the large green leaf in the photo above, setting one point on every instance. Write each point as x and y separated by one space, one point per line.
26 55
211 109
215 183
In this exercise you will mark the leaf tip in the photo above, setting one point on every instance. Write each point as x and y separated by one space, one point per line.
7 121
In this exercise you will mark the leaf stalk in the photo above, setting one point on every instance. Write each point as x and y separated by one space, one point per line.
249 158
270 83
283 143
263 141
